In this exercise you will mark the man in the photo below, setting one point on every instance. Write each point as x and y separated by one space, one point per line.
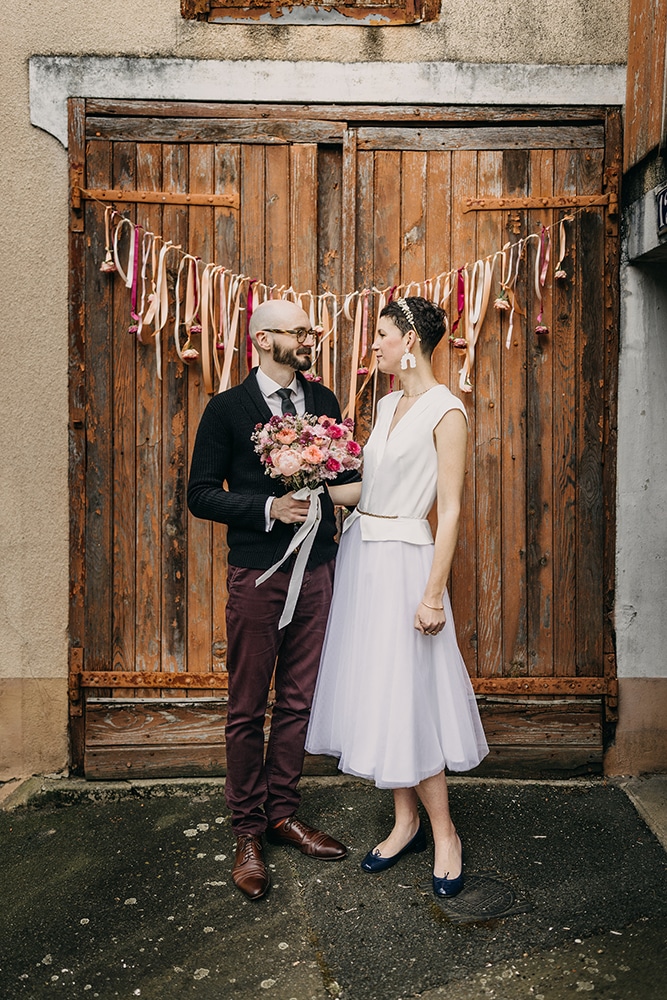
261 517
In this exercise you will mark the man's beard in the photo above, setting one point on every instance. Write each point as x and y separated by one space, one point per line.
299 362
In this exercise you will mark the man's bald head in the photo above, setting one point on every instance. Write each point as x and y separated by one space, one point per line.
278 314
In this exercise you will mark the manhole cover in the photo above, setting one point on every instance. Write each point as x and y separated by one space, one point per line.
483 898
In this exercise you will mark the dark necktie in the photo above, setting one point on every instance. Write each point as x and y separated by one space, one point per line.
287 402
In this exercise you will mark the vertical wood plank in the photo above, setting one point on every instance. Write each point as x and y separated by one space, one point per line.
303 213
590 355
349 256
329 222
387 229
365 278
613 156
99 514
174 438
539 437
78 257
148 451
277 217
565 420
513 513
123 483
227 220
438 238
488 437
253 238
413 216
199 588
227 181
464 570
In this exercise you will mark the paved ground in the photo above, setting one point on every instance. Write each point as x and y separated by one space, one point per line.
119 890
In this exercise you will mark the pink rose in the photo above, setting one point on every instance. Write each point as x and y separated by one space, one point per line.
353 448
333 465
286 462
334 431
325 421
312 455
286 435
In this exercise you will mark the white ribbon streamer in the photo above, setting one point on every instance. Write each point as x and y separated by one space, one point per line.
304 537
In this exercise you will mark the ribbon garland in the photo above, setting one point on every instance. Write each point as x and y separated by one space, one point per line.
215 298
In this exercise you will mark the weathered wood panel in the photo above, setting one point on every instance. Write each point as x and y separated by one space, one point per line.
464 593
342 112
539 436
201 179
173 563
487 451
200 130
490 137
645 125
533 574
99 421
564 458
513 511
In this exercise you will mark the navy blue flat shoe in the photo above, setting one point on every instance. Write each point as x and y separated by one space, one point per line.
374 862
445 888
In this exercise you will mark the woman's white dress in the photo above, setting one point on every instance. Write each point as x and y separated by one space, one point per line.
394 705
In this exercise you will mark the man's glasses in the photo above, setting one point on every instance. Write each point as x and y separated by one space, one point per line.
301 334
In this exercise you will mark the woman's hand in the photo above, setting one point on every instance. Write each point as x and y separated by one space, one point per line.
428 620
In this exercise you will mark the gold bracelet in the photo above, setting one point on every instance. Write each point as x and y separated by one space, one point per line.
431 607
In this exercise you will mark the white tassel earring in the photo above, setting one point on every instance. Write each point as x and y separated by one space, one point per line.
408 360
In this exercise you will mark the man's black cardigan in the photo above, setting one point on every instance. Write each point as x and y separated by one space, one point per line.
224 453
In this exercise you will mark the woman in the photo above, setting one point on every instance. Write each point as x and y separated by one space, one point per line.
393 699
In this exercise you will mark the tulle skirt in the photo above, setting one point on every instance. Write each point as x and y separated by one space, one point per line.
394 705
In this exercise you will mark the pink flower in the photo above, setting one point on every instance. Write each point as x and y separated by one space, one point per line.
353 448
560 274
195 328
190 354
501 303
335 431
362 370
460 343
311 377
349 422
325 421
333 465
312 455
286 462
108 265
541 329
286 435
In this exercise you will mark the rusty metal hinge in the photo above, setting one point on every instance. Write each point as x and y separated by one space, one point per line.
80 194
526 202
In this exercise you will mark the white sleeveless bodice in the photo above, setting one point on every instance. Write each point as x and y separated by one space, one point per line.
401 469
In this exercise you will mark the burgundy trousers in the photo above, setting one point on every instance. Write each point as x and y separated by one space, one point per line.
260 790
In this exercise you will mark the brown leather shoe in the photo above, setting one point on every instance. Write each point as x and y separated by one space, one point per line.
249 872
312 842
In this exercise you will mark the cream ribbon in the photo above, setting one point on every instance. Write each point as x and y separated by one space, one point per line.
304 537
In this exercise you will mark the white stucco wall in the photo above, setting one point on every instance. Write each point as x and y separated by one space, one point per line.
34 240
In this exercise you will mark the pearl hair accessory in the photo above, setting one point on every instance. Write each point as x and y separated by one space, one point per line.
408 358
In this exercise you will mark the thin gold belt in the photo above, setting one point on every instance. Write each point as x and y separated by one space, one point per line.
388 517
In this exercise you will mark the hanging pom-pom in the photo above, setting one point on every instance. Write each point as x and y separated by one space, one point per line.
108 266
502 303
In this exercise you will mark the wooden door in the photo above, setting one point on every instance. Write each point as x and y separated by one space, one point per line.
344 199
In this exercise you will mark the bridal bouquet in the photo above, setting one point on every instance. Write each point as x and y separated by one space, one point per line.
306 451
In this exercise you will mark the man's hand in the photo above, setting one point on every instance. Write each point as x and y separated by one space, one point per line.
288 510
